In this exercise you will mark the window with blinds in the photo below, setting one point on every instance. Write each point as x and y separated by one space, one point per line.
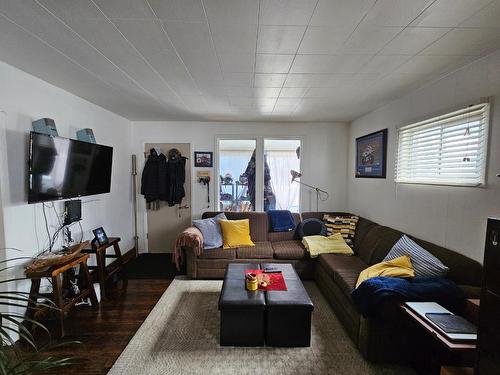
445 150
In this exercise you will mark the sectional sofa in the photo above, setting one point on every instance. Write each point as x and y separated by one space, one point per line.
389 338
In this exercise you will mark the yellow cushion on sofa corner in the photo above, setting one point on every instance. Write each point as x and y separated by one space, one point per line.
236 233
398 267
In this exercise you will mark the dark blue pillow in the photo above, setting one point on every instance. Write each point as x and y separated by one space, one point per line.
281 220
312 227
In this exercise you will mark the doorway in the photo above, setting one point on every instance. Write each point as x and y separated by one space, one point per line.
164 224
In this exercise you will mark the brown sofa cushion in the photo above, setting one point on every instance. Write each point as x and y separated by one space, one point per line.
377 243
463 270
289 250
344 269
218 253
362 228
258 222
261 250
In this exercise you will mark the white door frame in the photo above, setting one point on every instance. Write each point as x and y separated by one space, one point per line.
139 196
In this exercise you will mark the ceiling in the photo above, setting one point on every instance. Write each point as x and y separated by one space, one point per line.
244 60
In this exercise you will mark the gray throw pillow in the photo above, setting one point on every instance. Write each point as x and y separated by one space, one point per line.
210 228
423 262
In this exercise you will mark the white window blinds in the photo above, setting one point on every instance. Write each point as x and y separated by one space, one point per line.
446 150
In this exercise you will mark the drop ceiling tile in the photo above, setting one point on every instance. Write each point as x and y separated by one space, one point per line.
284 109
213 91
487 17
234 11
465 42
267 92
238 79
125 9
329 63
449 13
41 23
53 67
293 92
290 12
237 62
320 92
279 39
267 63
370 39
111 43
287 101
420 67
234 37
395 12
71 9
146 35
178 10
243 101
192 42
324 39
269 80
412 40
340 13
306 80
384 64
252 92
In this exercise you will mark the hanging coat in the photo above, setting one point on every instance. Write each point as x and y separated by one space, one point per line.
154 177
176 176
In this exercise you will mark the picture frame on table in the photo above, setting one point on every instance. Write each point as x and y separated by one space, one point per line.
100 237
203 159
371 155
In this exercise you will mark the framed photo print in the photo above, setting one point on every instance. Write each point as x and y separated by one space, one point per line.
203 159
371 155
100 236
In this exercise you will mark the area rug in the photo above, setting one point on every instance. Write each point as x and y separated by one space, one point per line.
181 336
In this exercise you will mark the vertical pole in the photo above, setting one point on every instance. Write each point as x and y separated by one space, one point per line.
134 200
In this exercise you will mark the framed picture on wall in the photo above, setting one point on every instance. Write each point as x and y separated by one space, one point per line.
203 159
371 155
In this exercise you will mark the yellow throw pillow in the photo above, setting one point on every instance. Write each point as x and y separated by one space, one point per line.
236 233
398 267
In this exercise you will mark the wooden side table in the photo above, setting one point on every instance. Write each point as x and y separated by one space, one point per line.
55 273
103 272
454 351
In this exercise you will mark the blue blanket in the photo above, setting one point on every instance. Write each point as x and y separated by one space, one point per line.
373 293
281 220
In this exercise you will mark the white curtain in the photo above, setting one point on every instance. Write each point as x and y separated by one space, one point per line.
287 194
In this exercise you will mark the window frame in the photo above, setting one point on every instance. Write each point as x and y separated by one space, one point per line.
259 160
485 152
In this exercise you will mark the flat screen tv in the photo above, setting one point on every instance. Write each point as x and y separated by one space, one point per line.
62 168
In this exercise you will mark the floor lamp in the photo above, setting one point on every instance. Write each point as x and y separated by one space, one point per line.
319 191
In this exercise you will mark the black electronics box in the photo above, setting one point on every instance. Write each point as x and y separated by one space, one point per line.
72 211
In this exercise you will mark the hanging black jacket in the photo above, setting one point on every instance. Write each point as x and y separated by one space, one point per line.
176 176
154 178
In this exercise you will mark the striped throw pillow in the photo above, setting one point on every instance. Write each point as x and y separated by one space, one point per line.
345 225
423 262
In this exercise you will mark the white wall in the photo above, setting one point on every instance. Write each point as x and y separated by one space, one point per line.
454 217
24 98
324 155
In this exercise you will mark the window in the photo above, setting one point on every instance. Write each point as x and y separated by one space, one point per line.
237 174
280 157
446 150
254 174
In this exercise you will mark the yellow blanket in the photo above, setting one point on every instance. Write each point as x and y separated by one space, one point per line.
317 245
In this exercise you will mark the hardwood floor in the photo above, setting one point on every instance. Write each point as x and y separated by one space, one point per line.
105 332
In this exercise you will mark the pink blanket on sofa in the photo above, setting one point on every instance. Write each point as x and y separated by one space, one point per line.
190 237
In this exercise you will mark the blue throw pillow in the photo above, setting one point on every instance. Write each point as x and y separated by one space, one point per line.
210 229
281 220
423 262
